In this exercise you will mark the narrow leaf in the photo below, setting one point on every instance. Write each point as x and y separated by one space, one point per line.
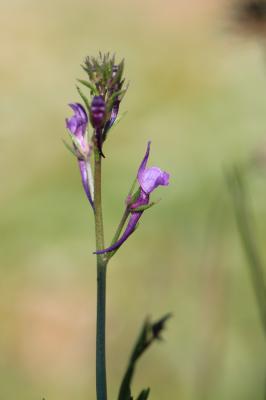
89 85
84 98
148 334
146 207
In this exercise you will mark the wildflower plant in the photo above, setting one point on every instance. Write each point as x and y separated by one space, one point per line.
89 127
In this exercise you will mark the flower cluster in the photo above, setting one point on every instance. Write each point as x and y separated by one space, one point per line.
106 91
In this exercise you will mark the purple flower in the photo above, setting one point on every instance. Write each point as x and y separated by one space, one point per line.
77 126
149 179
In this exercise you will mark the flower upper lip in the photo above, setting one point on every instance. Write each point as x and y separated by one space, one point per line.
150 178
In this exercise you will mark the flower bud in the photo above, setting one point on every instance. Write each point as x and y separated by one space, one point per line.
98 112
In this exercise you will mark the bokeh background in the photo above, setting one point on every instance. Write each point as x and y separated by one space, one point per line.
197 89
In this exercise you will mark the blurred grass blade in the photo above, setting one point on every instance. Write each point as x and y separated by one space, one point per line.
148 334
236 184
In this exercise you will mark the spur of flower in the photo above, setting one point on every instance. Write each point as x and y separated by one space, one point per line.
149 179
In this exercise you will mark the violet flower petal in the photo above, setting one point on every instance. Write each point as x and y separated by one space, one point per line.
144 161
77 124
153 177
79 110
150 178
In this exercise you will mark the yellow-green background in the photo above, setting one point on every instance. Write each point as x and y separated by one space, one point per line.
198 91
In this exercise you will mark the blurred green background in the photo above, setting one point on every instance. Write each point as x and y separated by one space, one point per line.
198 92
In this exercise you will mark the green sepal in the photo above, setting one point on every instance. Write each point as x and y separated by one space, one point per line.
77 147
145 207
89 85
89 71
107 67
133 186
144 394
119 72
71 149
75 141
84 98
134 196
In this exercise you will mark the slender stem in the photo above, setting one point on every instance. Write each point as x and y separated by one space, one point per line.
101 387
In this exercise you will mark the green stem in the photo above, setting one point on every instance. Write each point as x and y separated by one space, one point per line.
101 387
122 222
